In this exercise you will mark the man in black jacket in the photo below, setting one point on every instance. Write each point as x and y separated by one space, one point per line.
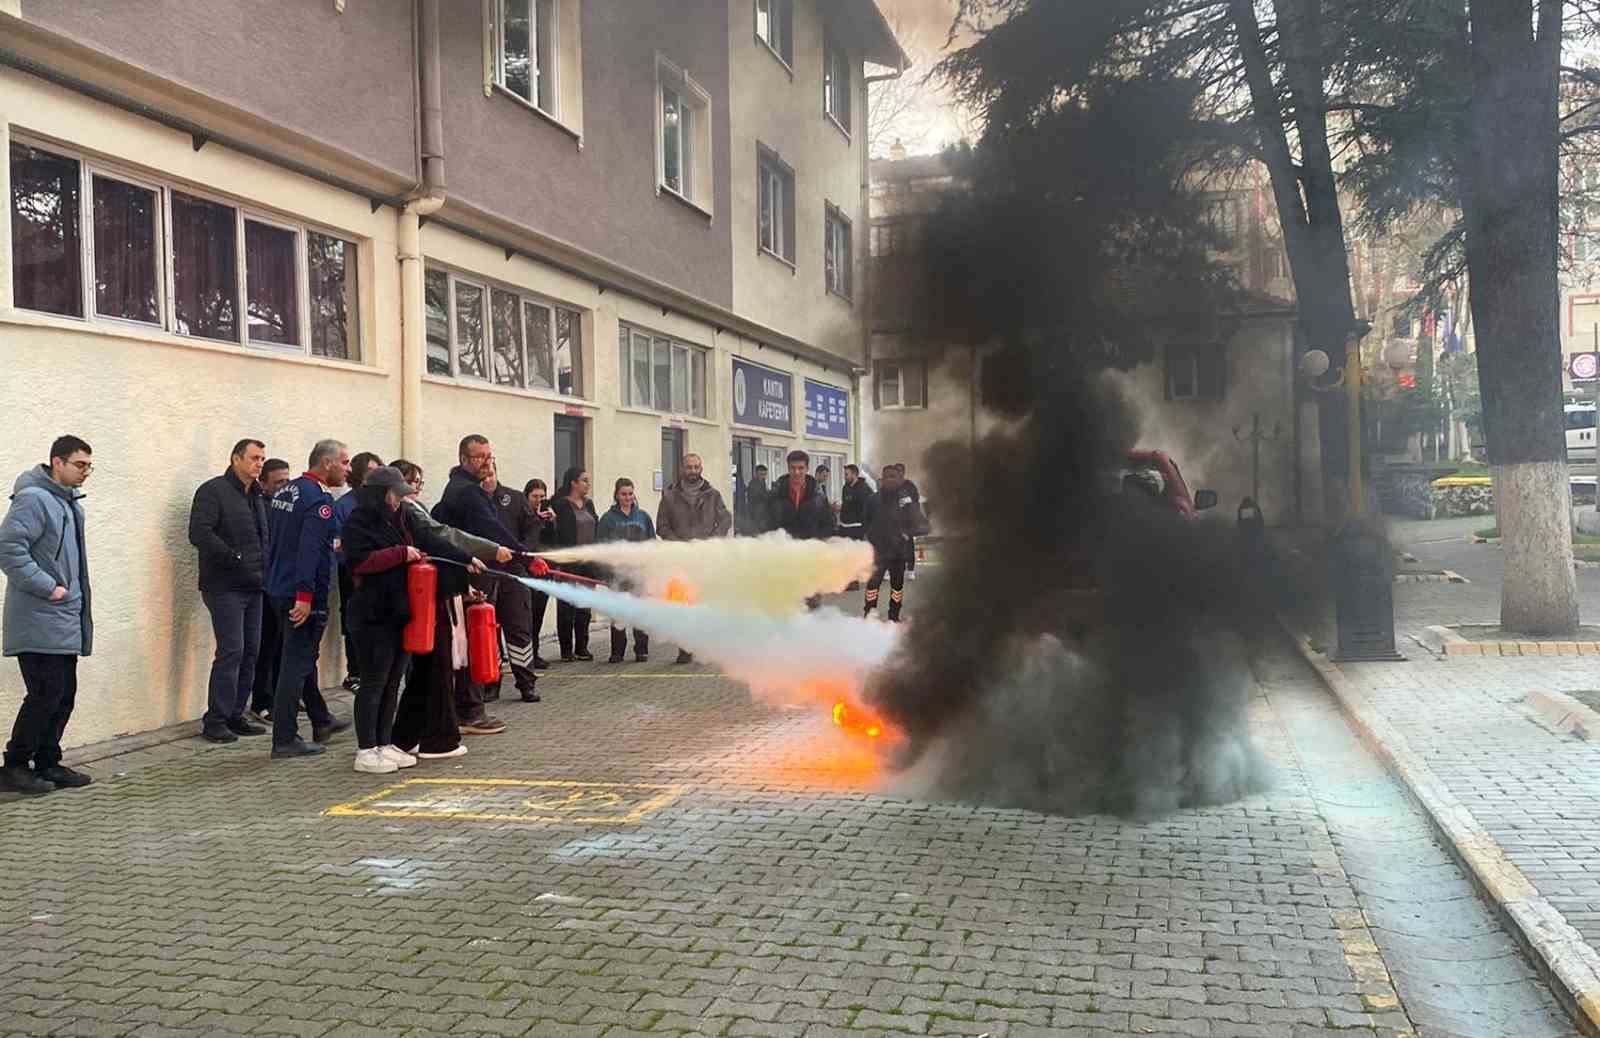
853 504
797 505
228 524
513 602
468 507
893 518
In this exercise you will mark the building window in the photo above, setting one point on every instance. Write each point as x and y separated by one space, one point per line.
1196 372
775 198
836 85
661 373
530 343
173 260
127 257
46 231
683 138
901 384
775 28
838 257
526 52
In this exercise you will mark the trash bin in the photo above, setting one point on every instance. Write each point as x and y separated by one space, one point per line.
1363 588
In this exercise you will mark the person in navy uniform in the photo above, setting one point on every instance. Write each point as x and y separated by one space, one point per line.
301 529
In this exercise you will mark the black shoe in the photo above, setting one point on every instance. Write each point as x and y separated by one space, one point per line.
641 657
298 748
567 657
540 663
585 655
19 778
219 735
351 684
684 657
321 733
245 726
63 777
616 657
530 696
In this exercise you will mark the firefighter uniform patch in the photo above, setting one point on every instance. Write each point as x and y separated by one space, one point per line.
325 512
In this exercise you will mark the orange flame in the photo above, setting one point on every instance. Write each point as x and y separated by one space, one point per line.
679 591
857 720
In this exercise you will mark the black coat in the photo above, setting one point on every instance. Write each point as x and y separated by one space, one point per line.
853 503
519 518
566 533
893 518
228 523
812 520
467 506
374 535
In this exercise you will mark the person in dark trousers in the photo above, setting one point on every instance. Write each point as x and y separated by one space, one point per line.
798 507
48 620
466 505
513 602
626 521
274 474
692 510
360 465
300 532
893 518
576 525
538 497
425 723
853 504
916 496
228 525
381 540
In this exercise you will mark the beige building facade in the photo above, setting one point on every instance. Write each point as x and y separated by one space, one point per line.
396 223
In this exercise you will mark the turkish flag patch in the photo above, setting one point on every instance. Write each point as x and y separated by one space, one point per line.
326 511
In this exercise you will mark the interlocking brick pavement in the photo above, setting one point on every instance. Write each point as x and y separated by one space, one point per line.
203 890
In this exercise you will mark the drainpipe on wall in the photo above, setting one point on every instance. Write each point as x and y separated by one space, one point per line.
427 200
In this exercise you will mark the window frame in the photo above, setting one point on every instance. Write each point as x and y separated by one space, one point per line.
552 307
786 38
91 165
698 395
1175 352
498 56
833 216
917 368
696 157
769 164
833 53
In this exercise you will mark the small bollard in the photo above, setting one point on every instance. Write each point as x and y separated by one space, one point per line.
1363 588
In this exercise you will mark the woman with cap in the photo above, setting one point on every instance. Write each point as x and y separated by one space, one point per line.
381 539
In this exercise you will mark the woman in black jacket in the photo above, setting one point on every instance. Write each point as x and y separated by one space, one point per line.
576 524
381 539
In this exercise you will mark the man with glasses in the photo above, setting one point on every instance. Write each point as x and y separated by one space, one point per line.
48 623
467 506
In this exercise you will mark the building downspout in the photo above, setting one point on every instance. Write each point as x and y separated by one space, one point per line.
428 199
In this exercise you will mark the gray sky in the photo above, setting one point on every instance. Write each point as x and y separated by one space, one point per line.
922 27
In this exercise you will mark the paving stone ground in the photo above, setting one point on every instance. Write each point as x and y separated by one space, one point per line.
775 886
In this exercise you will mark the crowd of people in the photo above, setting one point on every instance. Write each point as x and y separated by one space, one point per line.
272 548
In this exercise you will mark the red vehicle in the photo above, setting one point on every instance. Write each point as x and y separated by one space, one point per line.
1142 465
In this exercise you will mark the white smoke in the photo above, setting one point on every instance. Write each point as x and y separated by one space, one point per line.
804 657
771 575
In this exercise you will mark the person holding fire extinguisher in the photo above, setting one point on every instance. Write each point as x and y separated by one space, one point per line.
381 539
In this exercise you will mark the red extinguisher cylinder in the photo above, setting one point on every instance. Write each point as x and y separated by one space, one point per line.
422 586
483 644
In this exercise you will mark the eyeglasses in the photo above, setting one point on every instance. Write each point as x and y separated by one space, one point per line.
84 467
480 457
415 482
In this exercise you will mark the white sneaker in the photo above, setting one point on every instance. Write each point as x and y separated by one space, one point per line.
459 751
375 762
399 756
414 749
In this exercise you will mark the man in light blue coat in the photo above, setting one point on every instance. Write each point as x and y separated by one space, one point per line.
48 623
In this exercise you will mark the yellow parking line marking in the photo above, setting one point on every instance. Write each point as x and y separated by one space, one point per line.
549 800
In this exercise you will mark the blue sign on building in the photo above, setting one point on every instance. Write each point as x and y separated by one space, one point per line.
827 411
762 397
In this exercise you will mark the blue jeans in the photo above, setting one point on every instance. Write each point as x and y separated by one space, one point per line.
236 622
297 673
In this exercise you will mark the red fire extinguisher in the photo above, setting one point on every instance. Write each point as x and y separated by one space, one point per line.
422 585
483 644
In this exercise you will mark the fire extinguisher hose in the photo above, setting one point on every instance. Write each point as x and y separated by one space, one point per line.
555 574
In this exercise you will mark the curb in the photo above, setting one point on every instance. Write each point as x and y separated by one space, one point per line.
1563 715
1447 641
1568 964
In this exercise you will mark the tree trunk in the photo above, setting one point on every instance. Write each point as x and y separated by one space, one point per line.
1308 208
1509 200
